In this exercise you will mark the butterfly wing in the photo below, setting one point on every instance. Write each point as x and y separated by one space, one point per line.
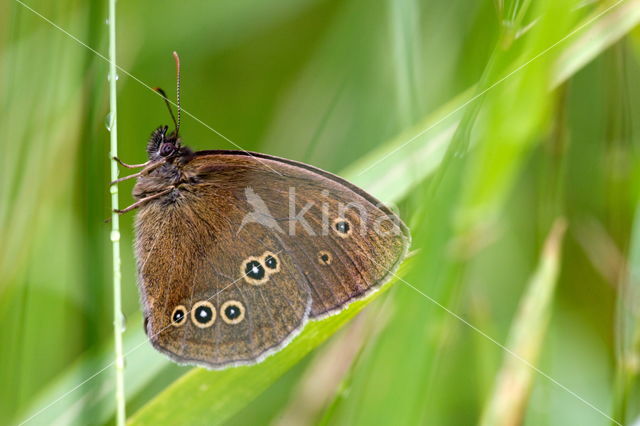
344 241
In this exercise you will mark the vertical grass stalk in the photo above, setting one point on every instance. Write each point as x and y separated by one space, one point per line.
112 126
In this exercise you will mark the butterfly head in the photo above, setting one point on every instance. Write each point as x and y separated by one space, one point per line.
163 145
160 144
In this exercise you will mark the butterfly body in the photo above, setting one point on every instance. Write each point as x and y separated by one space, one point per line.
236 251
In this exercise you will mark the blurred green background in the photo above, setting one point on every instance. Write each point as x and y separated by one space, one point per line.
491 125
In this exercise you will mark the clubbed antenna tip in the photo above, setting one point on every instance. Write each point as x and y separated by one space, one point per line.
177 58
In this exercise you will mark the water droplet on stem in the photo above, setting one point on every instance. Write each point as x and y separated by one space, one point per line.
108 121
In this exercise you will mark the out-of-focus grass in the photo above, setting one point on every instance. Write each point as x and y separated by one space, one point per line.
628 330
340 84
526 337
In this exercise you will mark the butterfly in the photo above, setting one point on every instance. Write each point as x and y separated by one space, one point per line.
236 251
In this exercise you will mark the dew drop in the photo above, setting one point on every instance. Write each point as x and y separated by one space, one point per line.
106 21
115 235
108 121
120 323
123 323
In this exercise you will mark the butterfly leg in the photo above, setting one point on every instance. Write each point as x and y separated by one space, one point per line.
131 166
148 169
143 201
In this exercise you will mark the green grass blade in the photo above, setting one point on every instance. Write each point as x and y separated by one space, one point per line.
595 39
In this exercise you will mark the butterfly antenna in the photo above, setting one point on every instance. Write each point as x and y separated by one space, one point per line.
177 58
166 101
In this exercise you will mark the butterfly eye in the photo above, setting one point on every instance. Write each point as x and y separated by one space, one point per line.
203 314
232 312
178 316
166 149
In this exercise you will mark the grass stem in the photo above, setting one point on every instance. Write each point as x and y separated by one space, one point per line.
112 126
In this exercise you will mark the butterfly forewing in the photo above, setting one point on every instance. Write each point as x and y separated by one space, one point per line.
345 242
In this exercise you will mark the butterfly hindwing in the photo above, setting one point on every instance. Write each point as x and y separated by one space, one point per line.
264 313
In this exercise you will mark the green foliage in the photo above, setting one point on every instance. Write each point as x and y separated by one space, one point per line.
484 122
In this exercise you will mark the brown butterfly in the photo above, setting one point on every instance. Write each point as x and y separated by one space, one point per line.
237 250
